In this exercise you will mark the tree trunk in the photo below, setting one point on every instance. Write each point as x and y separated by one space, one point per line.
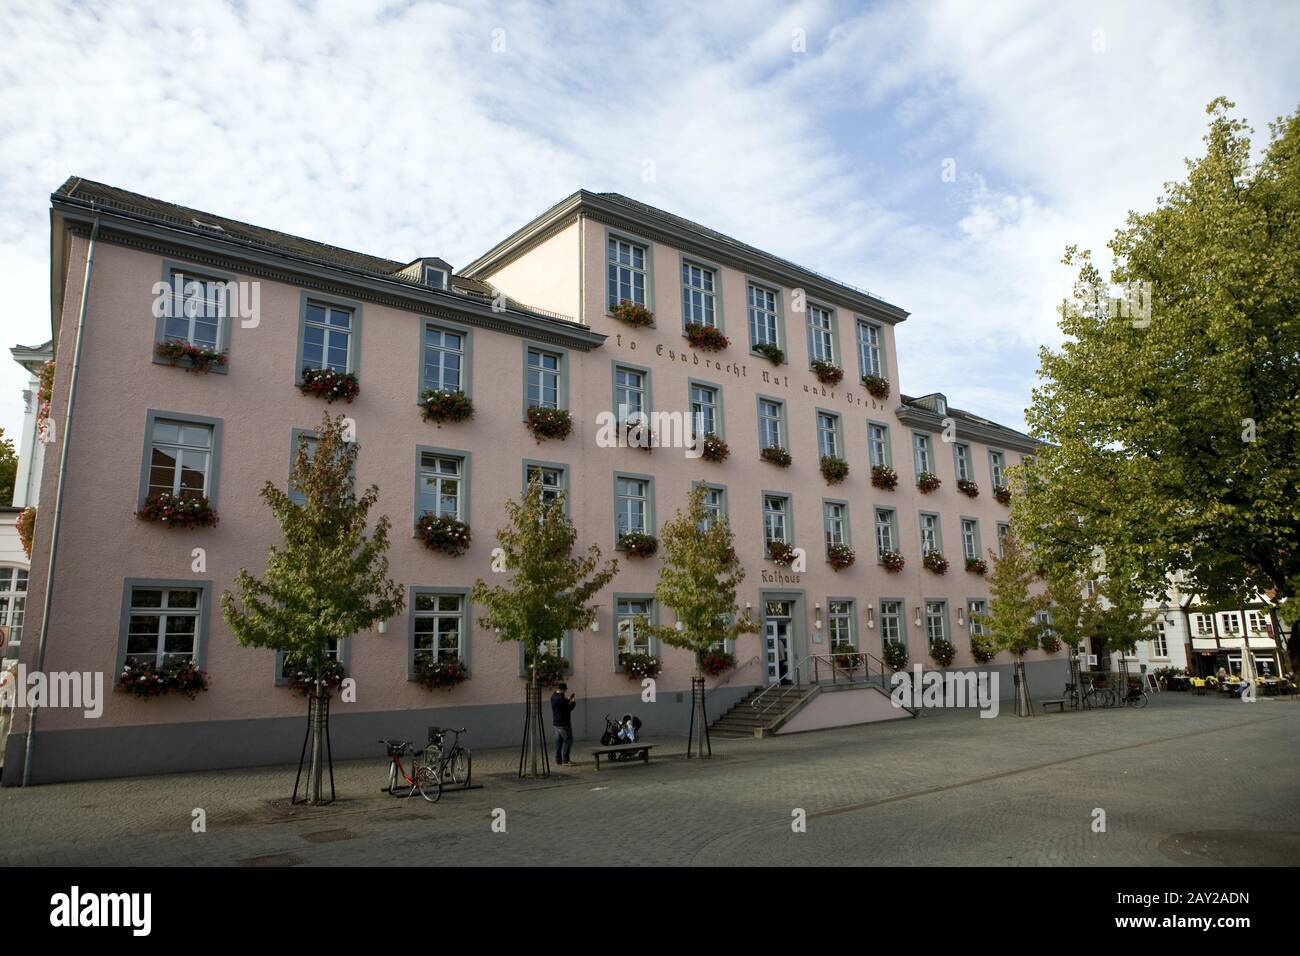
315 776
534 753
698 743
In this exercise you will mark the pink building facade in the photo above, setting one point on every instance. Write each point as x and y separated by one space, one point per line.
124 589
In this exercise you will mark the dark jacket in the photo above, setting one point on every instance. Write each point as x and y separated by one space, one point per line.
561 709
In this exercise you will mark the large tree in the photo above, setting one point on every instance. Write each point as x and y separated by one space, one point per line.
8 469
698 582
548 591
326 581
1172 424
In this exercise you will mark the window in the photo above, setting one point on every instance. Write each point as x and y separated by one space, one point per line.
936 621
1159 641
327 337
996 475
631 506
699 300
870 357
543 379
1230 623
1004 529
333 652
930 538
828 435
886 539
961 455
551 477
438 627
821 334
891 621
310 438
13 602
835 518
705 410
441 487
762 317
180 458
715 506
771 423
975 609
163 624
1204 624
626 270
970 539
632 614
435 277
1256 624
630 402
878 442
921 453
776 519
444 360
839 623
195 310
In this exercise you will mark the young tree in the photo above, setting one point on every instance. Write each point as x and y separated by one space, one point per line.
698 582
1012 620
1173 424
326 581
1121 620
548 593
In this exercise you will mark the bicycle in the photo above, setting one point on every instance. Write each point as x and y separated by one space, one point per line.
1136 697
423 776
454 761
1094 696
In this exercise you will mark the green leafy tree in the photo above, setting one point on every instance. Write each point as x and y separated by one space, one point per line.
1012 619
327 580
1073 609
1122 619
549 590
1172 427
8 469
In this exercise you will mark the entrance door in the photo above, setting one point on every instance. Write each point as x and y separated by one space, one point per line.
776 631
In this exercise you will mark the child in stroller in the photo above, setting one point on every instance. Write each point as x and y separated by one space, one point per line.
625 731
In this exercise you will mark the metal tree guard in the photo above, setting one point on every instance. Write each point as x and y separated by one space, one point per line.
1076 698
699 719
329 751
1024 703
534 744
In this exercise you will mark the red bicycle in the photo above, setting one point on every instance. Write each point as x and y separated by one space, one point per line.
423 776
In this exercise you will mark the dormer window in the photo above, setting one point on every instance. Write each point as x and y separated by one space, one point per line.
435 277
940 405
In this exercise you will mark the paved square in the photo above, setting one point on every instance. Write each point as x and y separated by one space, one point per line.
1187 780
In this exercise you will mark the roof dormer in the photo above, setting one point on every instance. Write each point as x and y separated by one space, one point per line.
431 271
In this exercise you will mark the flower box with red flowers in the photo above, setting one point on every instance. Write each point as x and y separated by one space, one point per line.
1002 494
25 525
840 556
639 666
942 652
635 315
773 353
834 470
713 663
936 562
780 553
927 482
828 373
894 653
882 476
706 337
891 561
846 657
330 385
147 679
638 544
977 566
185 510
446 673
876 385
442 407
303 678
968 488
199 358
715 449
546 423
777 456
982 649
443 533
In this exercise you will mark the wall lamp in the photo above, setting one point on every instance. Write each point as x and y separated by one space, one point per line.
871 616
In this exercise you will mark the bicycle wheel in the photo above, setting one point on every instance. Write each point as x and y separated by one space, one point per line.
1141 700
429 781
392 778
459 767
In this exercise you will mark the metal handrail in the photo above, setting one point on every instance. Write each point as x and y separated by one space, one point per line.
794 676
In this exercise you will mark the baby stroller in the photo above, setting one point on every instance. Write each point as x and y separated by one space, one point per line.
625 731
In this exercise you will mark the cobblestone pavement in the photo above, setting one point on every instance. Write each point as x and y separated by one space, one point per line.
1186 781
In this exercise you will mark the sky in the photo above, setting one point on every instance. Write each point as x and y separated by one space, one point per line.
940 155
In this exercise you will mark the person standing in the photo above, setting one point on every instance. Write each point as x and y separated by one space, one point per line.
562 718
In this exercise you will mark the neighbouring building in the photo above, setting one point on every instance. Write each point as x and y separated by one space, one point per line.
126 589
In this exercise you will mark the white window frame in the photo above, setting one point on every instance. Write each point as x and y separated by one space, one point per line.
438 614
624 272
165 612
699 295
764 315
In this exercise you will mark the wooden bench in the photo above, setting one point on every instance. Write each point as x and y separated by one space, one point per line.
1060 702
620 752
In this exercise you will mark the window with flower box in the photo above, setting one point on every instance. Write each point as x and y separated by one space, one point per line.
631 636
445 359
631 393
764 319
715 505
633 505
1256 624
970 539
771 423
776 519
163 622
439 626
997 469
193 307
706 408
625 271
328 338
13 604
936 621
891 621
554 480
699 295
829 443
878 443
961 459
886 536
931 539
871 355
544 379
1204 624
839 623
181 456
442 485
821 334
835 520
977 608
923 458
